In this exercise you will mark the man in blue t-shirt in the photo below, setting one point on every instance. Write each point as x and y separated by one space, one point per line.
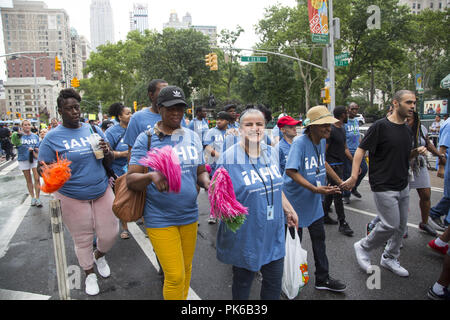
353 139
199 124
288 128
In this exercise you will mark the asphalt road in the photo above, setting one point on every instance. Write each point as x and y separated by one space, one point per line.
27 266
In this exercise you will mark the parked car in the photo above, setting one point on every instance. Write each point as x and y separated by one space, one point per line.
360 119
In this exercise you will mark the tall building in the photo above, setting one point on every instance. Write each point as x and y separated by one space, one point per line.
417 6
175 23
77 61
31 26
85 52
210 31
27 99
139 17
102 26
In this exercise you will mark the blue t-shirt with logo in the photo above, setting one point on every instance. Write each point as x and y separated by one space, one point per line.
88 179
259 240
215 138
444 140
28 141
163 209
304 158
352 134
283 151
199 127
115 135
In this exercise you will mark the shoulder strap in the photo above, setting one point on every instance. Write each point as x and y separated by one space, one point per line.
149 140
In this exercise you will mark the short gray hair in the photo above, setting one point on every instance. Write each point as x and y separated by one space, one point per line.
399 95
251 111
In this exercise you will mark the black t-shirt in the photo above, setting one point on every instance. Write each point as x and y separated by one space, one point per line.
336 146
389 146
4 133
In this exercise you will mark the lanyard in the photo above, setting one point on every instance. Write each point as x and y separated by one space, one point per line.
270 177
318 155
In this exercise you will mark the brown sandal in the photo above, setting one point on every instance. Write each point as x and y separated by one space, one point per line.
125 234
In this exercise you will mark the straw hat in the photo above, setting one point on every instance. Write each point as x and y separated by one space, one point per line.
319 115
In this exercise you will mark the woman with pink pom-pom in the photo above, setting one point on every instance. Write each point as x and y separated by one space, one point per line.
258 242
176 166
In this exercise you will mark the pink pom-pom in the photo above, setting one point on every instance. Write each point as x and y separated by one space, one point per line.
222 198
165 161
208 168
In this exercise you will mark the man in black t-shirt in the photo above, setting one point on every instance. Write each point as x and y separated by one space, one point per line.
5 142
336 153
389 142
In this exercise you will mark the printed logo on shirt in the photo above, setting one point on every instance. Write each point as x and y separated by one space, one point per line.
311 163
76 143
29 141
187 153
251 176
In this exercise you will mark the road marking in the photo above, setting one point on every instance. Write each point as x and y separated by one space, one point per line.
9 168
147 247
10 227
20 295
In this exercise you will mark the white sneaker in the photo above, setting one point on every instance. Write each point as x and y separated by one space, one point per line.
394 265
362 256
33 202
92 288
102 266
38 203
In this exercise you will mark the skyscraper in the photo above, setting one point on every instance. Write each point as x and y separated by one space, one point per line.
102 26
139 17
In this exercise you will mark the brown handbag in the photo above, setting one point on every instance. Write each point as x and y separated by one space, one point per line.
128 204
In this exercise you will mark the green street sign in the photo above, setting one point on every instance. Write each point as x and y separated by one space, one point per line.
258 59
343 55
341 63
319 38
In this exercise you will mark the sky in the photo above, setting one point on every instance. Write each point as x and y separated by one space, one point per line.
225 14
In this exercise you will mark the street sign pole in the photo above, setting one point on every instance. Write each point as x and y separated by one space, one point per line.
330 54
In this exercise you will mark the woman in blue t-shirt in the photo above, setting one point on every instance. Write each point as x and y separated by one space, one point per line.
171 219
27 158
115 136
86 198
304 185
260 242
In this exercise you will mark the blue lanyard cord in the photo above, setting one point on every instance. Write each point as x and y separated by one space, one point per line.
270 176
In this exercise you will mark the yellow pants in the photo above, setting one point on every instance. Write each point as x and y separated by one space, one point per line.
175 248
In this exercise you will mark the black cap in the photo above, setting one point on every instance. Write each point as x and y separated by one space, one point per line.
170 96
224 116
229 106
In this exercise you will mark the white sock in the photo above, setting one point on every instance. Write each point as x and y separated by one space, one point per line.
439 242
438 289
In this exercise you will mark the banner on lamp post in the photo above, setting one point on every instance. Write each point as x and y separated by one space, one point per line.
318 20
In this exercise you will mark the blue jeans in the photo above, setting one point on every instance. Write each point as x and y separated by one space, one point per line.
271 285
441 209
348 173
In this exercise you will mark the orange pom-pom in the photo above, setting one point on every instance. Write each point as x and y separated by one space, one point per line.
55 175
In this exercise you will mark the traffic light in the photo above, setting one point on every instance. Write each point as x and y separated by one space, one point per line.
325 95
57 64
135 106
189 111
214 63
208 60
75 82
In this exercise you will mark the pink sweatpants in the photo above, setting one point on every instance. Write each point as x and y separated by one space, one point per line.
83 218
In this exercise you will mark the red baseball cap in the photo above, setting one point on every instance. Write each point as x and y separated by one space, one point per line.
287 121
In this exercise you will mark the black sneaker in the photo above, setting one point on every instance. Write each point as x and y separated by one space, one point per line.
344 228
346 200
328 220
434 296
356 194
331 284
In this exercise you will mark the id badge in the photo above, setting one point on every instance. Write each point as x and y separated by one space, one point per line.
318 183
270 213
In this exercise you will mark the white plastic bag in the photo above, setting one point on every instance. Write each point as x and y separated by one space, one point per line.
295 274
